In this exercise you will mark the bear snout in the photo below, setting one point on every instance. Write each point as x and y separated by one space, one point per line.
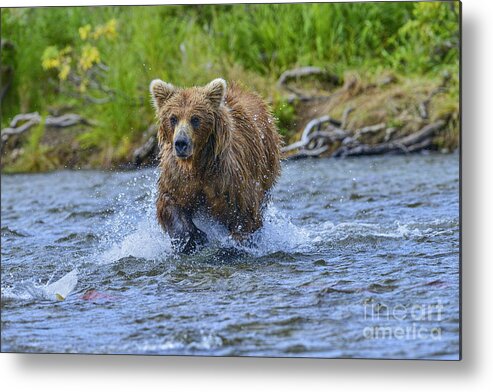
183 146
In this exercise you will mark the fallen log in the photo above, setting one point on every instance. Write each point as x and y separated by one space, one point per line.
407 144
312 126
30 119
369 129
426 143
315 142
334 135
365 149
425 132
24 117
66 120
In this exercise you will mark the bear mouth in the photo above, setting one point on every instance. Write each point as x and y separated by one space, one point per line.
183 155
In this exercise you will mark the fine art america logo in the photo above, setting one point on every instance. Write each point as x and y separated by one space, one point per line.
403 322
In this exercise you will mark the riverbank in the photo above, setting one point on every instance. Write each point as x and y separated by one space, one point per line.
372 109
383 72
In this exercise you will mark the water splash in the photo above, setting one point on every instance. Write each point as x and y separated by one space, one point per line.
148 241
278 234
134 230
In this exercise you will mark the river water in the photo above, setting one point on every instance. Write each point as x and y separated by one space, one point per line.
357 258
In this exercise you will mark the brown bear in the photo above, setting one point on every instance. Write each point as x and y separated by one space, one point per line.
219 150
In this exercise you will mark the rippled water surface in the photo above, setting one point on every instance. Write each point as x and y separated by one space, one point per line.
357 258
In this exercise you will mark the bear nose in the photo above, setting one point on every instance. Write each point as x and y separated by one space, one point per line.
181 146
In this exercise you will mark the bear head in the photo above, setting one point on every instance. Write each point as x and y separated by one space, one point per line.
187 116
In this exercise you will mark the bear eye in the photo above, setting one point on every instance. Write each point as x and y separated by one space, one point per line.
195 121
173 120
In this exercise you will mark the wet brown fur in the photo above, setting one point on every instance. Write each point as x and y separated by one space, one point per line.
235 159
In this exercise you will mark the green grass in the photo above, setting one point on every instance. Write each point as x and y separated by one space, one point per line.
189 45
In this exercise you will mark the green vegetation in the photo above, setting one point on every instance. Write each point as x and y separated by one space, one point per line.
99 60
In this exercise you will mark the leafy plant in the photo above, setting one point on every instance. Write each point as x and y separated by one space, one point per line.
81 67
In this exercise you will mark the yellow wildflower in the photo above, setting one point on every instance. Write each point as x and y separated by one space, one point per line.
66 50
90 56
107 30
84 32
50 58
111 29
64 71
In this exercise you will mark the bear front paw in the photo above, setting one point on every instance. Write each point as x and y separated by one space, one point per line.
190 243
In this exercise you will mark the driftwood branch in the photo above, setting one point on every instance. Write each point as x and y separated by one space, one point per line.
312 126
25 117
329 137
415 142
29 120
369 130
321 133
66 120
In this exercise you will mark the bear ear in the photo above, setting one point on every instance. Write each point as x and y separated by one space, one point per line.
215 91
161 92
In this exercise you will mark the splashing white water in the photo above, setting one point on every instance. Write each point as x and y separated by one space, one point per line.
145 239
134 231
278 234
148 241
